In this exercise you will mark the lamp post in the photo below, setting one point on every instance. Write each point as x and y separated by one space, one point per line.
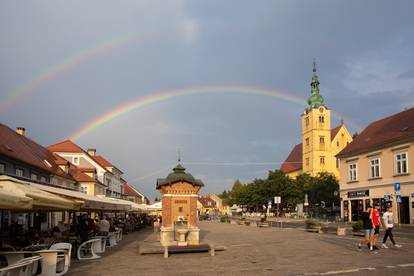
306 203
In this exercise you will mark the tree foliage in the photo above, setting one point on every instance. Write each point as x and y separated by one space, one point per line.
321 189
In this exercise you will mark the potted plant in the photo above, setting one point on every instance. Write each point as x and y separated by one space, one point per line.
313 225
357 228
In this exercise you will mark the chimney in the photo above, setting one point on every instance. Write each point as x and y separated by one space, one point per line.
92 152
20 130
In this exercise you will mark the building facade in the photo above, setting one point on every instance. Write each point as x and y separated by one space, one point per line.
379 159
23 158
105 172
133 194
320 143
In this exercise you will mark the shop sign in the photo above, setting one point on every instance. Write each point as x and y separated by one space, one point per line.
358 193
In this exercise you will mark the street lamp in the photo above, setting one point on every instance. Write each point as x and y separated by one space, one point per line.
306 203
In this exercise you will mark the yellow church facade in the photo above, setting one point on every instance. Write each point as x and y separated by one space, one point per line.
320 142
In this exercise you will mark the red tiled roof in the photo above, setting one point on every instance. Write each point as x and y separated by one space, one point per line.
395 128
60 160
69 146
294 161
65 146
334 131
21 148
102 161
78 175
130 191
205 200
89 170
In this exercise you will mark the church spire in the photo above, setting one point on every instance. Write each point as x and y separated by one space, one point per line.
315 98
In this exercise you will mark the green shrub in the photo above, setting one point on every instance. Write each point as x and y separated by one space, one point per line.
357 226
311 223
224 218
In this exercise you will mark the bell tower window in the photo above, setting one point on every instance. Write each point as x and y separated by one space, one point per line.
321 119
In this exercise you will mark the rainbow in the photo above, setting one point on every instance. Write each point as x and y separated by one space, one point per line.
213 89
65 66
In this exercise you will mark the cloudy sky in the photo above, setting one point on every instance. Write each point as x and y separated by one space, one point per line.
65 63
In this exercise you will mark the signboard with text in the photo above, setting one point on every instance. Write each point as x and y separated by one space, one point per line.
358 193
278 200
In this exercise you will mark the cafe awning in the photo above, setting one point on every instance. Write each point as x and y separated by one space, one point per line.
132 205
23 195
90 203
13 198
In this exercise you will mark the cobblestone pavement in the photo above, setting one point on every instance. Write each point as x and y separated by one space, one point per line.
255 251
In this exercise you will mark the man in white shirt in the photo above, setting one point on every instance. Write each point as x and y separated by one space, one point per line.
389 224
104 226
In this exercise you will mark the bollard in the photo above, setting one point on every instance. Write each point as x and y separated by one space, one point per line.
212 251
166 252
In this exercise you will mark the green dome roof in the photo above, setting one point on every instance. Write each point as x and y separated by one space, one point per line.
179 175
315 99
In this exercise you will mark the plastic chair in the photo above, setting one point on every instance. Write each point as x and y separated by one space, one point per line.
100 248
17 269
33 267
88 246
119 235
112 237
63 265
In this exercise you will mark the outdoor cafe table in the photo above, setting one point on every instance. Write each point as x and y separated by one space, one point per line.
49 261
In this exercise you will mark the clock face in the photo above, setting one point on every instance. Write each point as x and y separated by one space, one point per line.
321 109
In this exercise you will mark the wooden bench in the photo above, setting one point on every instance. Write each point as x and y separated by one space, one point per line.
263 224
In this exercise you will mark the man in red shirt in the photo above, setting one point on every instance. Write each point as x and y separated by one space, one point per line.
376 222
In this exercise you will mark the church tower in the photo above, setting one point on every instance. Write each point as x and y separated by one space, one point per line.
316 132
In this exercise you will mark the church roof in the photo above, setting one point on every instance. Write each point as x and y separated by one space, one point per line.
178 175
294 161
397 128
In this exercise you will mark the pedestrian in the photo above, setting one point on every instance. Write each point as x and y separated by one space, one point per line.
83 228
388 224
376 223
367 226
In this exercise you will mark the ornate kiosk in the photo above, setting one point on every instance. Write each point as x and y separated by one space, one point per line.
179 208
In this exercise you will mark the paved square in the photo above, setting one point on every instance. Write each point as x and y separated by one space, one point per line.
256 251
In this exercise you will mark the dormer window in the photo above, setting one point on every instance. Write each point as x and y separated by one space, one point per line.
47 163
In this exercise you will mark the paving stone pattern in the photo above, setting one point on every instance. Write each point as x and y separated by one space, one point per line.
254 251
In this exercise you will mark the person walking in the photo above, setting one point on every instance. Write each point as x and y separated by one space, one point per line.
367 226
376 223
388 224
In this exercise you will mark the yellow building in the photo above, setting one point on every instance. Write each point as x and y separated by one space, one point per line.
320 143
